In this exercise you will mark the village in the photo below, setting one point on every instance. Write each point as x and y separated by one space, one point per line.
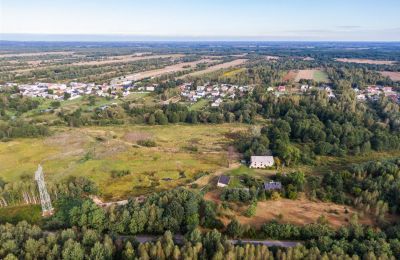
373 93
188 91
214 92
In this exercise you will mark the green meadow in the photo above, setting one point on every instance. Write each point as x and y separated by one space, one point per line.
181 152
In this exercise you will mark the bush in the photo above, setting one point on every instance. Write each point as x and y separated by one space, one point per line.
119 173
147 143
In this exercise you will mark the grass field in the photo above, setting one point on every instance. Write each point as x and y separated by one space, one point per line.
321 76
199 105
95 152
311 74
30 213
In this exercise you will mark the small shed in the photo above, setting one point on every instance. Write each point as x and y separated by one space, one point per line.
272 185
223 181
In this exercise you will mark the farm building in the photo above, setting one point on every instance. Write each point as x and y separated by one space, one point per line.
272 185
261 161
223 181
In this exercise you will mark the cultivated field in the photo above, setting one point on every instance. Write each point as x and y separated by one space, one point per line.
225 65
311 74
96 152
366 61
395 76
299 212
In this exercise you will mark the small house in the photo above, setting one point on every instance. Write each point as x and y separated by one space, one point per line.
261 161
272 185
282 88
223 181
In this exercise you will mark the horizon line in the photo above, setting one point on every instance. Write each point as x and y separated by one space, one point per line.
51 37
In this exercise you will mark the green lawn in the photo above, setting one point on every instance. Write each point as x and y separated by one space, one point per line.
199 105
321 76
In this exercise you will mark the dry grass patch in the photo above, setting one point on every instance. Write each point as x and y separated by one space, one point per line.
217 67
299 212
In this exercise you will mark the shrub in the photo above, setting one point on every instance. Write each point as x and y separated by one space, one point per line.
147 143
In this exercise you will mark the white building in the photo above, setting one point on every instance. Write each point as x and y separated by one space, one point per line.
261 161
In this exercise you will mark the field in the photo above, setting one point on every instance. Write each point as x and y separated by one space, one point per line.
168 69
182 152
395 76
312 74
30 213
316 75
30 54
301 211
124 58
225 65
366 61
41 61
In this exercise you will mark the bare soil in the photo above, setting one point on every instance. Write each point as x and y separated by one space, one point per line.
291 75
305 74
367 61
395 76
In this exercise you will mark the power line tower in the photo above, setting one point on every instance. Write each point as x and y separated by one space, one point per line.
47 208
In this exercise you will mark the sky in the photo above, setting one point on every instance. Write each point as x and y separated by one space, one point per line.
316 20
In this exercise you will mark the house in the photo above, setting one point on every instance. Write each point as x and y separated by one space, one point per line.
223 181
387 89
261 161
282 88
361 97
272 185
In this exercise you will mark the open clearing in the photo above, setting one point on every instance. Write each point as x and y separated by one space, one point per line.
168 69
298 212
395 76
95 152
216 67
311 74
366 61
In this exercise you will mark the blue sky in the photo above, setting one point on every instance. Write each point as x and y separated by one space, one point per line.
377 20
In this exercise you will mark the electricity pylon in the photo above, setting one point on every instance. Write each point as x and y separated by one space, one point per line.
47 208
